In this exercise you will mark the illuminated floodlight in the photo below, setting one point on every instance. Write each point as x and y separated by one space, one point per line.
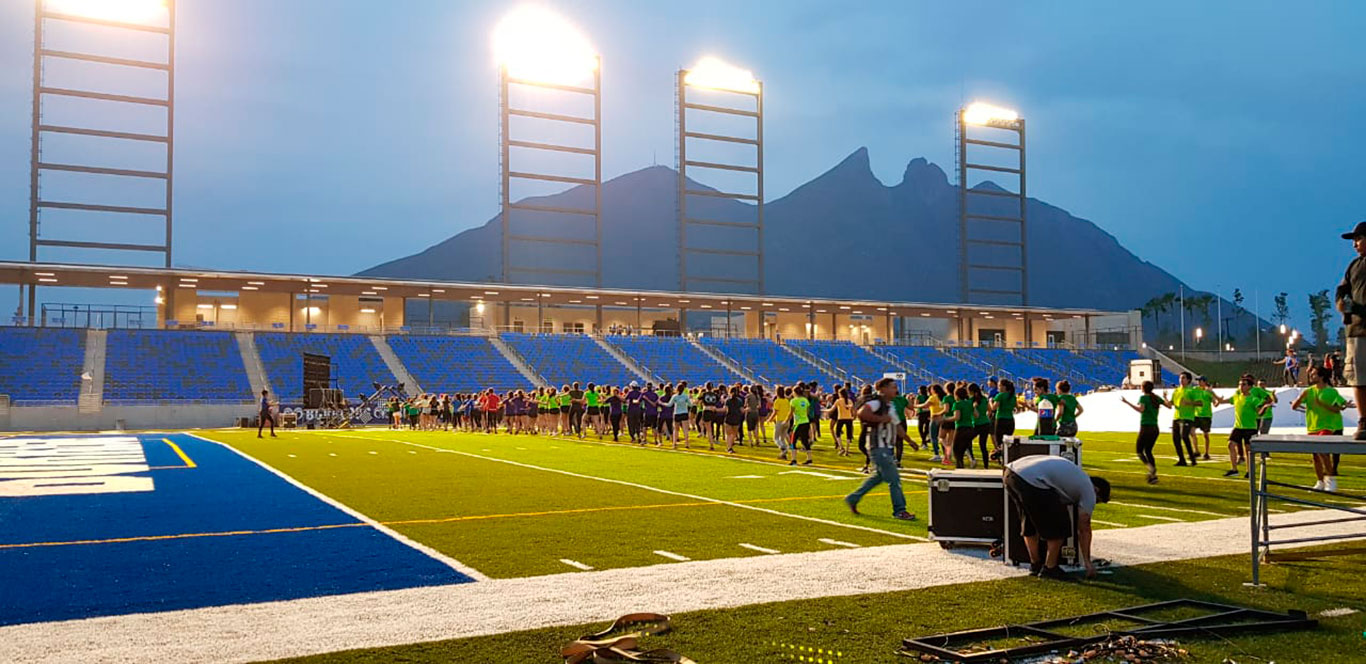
125 11
535 44
986 115
717 74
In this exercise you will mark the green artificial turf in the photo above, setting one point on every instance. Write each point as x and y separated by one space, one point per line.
869 628
513 506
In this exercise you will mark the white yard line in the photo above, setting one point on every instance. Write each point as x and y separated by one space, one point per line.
1171 509
576 564
760 549
422 548
273 630
672 556
834 542
1159 518
1109 523
657 490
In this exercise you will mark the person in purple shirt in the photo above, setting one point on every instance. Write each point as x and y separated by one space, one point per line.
651 400
635 412
614 408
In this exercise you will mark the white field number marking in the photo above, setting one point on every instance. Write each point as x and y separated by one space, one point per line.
820 475
66 466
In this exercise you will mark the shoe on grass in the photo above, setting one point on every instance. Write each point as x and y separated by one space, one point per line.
807 462
793 463
1180 463
934 459
1205 458
1055 574
1230 473
1035 568
904 516
853 506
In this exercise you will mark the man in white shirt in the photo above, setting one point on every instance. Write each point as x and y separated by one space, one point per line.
880 421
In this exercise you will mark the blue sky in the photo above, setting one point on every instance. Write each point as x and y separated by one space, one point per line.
1219 140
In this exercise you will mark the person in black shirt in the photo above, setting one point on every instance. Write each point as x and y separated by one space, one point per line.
1351 301
735 416
265 416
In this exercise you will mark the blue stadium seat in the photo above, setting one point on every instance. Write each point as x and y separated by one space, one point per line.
928 359
564 358
356 364
158 365
769 362
450 364
861 366
674 359
41 365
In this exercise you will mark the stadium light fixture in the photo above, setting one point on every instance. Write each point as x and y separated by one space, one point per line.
986 115
125 11
479 308
535 44
1282 328
714 73
1199 333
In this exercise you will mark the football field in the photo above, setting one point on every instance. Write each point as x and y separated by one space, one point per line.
339 525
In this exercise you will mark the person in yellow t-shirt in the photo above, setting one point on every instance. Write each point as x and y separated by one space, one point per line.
936 408
781 417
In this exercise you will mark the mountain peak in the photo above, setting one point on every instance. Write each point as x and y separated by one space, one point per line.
857 161
920 173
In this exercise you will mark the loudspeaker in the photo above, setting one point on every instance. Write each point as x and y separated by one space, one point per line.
317 375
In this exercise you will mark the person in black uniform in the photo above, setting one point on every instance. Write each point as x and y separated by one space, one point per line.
265 416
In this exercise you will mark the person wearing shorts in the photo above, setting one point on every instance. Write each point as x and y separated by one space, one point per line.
1323 406
594 408
801 423
1069 409
710 401
922 413
1203 396
754 404
1247 408
1042 489
565 403
679 406
615 402
843 417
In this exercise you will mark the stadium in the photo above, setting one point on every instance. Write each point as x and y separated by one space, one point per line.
551 464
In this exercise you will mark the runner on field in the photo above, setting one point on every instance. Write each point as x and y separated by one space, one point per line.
935 404
801 423
1183 422
1203 395
879 418
1264 419
1248 406
680 404
782 422
1147 407
842 415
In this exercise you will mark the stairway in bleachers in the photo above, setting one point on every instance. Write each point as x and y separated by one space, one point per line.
457 364
674 359
565 358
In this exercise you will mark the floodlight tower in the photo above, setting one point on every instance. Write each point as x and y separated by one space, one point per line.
995 243
147 23
538 50
715 75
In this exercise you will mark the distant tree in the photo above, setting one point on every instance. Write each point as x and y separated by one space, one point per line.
1320 308
1282 301
1237 315
1157 306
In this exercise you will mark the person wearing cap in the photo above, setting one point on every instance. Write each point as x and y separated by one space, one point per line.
1351 302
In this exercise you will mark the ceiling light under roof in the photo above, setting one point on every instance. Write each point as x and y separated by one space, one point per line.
250 288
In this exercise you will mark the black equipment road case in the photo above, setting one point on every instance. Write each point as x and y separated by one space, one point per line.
966 507
1016 447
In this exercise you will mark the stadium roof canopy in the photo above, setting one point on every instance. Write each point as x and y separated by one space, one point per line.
148 278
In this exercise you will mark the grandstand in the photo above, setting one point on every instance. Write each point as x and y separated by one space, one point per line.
851 362
154 365
41 366
767 361
564 358
451 364
356 364
935 363
673 359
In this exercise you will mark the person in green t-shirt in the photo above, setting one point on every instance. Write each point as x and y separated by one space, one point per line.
981 420
961 420
947 427
901 404
1183 422
1069 409
801 423
1248 406
922 413
1002 409
1147 407
593 401
1203 396
1264 419
1323 406
1046 406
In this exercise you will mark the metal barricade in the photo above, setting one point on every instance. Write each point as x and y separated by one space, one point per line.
1261 492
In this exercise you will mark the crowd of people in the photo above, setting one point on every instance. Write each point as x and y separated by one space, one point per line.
950 418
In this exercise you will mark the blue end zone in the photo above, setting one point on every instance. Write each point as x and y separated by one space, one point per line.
225 493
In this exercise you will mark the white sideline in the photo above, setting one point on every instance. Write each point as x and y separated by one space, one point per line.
255 632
